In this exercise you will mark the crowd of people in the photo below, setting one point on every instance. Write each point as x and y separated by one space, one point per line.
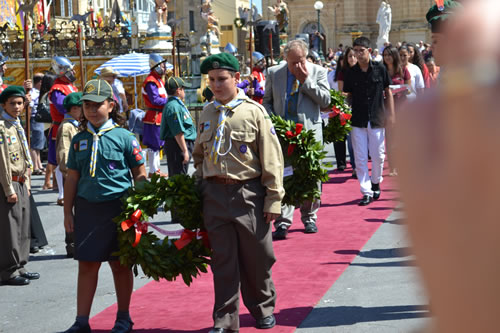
234 147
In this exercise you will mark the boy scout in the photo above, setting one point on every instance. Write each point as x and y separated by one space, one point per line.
177 128
67 130
15 163
239 158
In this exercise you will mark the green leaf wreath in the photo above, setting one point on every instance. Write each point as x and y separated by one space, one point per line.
339 122
304 154
165 259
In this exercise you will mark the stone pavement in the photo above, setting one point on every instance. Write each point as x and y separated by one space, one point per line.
379 292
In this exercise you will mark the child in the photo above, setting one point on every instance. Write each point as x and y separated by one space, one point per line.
67 130
239 158
15 164
100 159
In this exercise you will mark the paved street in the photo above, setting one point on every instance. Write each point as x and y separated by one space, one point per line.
379 292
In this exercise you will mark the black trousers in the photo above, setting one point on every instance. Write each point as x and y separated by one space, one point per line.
340 153
175 156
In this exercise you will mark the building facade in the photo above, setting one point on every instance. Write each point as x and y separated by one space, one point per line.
343 20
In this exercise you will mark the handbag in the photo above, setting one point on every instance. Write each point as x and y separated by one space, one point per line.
43 110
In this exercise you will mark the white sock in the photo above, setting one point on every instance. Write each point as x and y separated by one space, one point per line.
60 186
151 161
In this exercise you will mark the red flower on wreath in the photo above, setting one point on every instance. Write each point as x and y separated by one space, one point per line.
343 117
289 134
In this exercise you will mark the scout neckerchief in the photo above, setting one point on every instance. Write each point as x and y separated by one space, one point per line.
183 105
223 112
22 135
71 120
108 126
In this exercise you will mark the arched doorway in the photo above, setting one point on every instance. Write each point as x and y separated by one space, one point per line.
310 28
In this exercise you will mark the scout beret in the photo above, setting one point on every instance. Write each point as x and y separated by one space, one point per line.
12 91
73 99
220 61
97 91
436 16
175 82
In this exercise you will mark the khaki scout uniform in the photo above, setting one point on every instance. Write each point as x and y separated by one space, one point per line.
237 190
14 218
65 133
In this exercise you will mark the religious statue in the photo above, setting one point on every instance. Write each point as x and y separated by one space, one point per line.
208 15
384 19
280 11
161 8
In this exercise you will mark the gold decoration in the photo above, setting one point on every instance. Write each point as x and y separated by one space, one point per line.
47 37
1 47
100 34
115 34
124 42
37 46
71 44
90 43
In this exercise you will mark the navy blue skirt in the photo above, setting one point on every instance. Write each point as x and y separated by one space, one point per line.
95 231
37 135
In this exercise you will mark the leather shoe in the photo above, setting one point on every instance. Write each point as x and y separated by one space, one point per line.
354 174
221 330
34 249
122 326
78 328
311 228
17 281
31 276
266 322
366 200
280 233
376 191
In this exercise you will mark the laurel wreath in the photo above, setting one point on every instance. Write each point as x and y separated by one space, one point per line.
166 259
304 155
339 122
238 22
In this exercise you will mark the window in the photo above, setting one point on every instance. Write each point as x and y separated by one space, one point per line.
64 8
191 21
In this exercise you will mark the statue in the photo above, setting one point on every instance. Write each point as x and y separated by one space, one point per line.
208 15
161 9
384 19
280 11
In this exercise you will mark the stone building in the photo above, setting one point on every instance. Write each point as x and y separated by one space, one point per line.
343 20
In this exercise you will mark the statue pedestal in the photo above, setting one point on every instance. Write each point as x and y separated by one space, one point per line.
158 37
210 42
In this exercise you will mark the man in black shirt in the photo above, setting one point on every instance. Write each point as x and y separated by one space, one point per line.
366 83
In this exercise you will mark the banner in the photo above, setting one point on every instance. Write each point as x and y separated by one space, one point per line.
8 12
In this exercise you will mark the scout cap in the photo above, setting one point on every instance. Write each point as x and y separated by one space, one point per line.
220 61
108 71
97 91
174 82
12 91
437 17
73 99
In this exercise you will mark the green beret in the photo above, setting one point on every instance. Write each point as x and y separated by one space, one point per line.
220 61
12 91
73 99
437 17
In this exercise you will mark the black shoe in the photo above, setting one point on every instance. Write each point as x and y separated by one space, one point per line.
78 328
221 330
31 276
17 281
266 322
341 167
366 200
122 326
70 255
376 191
34 249
280 233
311 228
354 174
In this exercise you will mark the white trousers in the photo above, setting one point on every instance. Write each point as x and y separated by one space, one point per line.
153 160
364 141
60 186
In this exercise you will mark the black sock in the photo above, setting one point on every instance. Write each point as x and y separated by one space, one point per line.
84 320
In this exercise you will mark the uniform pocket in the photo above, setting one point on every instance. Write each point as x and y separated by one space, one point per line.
113 161
242 141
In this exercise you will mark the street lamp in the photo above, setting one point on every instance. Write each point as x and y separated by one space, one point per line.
318 5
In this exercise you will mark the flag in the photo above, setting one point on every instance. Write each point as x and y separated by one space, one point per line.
116 15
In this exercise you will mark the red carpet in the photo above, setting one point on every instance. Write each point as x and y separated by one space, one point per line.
307 266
